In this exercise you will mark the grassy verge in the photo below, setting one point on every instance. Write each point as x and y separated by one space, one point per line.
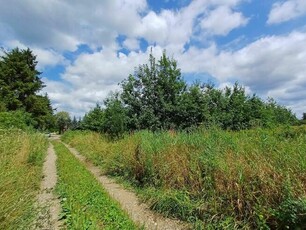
84 203
21 160
248 179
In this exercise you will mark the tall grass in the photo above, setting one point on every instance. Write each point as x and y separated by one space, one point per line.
248 179
21 160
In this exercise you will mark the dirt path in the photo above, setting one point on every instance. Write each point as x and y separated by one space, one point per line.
137 211
48 203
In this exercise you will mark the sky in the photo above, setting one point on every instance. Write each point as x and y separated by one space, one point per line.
86 47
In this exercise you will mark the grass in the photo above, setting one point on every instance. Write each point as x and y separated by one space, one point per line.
85 204
21 160
216 179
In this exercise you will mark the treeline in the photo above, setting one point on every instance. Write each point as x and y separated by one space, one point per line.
156 97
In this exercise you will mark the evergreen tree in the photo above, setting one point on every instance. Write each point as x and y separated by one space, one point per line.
19 85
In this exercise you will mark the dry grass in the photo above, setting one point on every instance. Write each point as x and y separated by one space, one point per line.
21 158
248 179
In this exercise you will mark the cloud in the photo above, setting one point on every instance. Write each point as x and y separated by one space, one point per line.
270 66
230 20
63 25
91 77
131 44
285 11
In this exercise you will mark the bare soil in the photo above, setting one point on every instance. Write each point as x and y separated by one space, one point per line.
49 205
138 212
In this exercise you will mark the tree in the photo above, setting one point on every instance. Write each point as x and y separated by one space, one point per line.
19 78
19 85
153 93
62 121
116 118
94 120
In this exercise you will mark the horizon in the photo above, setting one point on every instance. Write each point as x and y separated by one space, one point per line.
85 49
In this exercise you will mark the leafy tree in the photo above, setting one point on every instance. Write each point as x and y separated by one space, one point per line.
115 116
62 121
152 94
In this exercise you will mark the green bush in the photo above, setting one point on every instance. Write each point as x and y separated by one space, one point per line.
16 119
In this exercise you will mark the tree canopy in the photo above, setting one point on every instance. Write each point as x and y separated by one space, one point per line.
19 87
156 97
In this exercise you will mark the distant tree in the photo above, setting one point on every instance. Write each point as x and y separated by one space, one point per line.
116 118
75 124
62 121
94 120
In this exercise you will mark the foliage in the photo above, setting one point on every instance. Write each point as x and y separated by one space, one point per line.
21 160
19 85
156 98
115 117
62 120
248 179
85 204
94 120
16 119
152 94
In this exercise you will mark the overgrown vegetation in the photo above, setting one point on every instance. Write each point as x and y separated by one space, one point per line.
223 179
21 159
156 97
84 203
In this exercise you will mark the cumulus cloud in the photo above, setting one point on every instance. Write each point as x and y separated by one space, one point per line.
63 25
92 76
131 44
272 66
285 11
230 20
45 57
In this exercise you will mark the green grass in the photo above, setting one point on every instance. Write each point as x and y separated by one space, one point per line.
217 179
85 204
21 160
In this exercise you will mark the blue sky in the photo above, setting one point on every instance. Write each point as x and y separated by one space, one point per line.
86 47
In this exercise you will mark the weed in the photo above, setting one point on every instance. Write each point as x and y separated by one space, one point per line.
221 178
21 160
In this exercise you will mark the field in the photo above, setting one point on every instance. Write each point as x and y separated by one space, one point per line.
21 159
212 178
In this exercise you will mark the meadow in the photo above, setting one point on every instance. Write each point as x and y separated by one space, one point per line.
212 178
21 159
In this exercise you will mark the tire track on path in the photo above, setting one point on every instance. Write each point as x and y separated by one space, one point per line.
138 212
48 203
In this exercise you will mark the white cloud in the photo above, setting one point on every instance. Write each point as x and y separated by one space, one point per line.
230 20
63 25
48 58
287 10
271 66
91 77
131 44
